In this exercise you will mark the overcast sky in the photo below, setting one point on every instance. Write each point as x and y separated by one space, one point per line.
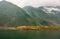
35 3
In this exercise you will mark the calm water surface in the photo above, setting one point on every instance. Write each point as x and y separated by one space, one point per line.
29 34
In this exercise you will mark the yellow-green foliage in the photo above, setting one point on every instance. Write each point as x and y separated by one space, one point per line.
34 28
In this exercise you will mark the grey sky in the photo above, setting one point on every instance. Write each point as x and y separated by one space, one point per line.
35 3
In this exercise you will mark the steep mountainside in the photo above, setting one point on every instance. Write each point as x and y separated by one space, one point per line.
12 15
49 14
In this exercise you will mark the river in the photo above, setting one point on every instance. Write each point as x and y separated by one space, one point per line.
29 34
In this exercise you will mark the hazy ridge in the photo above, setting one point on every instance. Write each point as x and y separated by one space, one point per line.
12 15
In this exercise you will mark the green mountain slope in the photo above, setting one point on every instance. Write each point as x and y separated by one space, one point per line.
12 15
39 15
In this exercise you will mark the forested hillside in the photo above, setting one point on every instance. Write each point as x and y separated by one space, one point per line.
12 15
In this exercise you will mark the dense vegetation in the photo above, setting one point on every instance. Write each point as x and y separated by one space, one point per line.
12 15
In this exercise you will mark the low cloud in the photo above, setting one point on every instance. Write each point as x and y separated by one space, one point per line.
35 3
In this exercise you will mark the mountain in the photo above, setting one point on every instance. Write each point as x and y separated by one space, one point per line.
49 14
12 15
54 12
7 12
38 14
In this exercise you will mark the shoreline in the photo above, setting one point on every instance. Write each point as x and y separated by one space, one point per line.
31 28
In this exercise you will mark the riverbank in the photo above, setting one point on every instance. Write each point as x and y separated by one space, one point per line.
31 28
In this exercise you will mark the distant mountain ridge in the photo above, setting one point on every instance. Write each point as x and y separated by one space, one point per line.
52 13
12 15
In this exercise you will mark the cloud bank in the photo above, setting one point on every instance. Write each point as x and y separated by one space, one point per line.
35 3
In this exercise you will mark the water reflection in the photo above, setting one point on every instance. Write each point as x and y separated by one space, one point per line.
29 34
